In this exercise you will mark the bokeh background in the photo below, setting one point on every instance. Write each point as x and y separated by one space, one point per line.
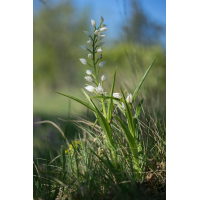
136 35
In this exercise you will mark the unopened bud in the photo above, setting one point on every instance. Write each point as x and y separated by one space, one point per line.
90 42
90 56
103 29
93 23
101 20
96 32
99 50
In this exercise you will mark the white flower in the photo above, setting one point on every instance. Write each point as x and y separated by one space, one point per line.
103 77
100 57
93 23
90 42
99 89
101 20
90 88
103 29
89 72
100 44
95 139
129 98
87 33
101 64
96 32
100 37
123 106
88 78
90 56
99 50
103 25
83 61
83 47
117 95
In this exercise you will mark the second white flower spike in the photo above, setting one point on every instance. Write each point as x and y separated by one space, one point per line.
117 95
129 98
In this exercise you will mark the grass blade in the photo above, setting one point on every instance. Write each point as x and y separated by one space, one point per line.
142 80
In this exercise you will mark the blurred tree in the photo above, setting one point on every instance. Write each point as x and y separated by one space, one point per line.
55 33
141 29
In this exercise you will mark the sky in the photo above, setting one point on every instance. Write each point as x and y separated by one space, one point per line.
116 12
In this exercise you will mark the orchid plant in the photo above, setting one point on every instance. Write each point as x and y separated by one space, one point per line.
104 113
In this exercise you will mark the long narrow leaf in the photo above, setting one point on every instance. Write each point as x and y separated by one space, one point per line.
142 80
110 102
78 100
105 126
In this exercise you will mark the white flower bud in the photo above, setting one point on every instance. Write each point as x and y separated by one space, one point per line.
90 88
101 64
104 137
123 106
103 29
95 139
129 98
103 77
90 42
93 23
89 72
90 56
96 32
100 57
100 37
117 95
88 78
100 44
87 33
103 25
83 47
101 20
99 50
83 61
99 89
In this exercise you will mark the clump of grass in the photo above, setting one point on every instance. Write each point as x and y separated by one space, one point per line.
122 155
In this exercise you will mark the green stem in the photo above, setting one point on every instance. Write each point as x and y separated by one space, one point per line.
104 108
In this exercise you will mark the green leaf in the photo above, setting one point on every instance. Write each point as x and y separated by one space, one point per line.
105 127
142 80
130 138
110 102
106 97
88 98
131 141
78 100
138 109
135 121
129 116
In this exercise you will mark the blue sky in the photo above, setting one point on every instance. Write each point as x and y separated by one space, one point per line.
116 12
